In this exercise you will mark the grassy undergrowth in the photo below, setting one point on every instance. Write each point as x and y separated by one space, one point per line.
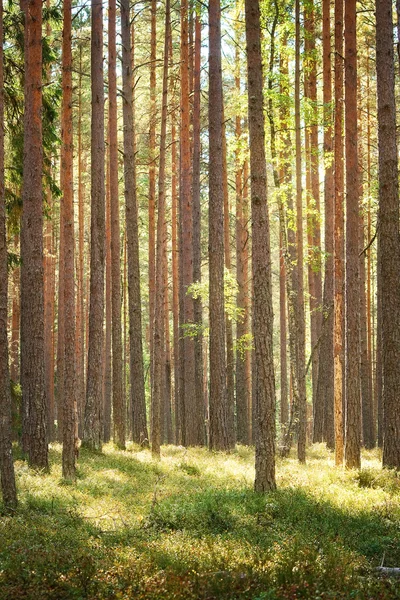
191 527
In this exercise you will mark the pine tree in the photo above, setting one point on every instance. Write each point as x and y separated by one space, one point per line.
92 433
261 260
388 233
32 280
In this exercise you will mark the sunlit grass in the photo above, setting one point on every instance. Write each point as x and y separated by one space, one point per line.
190 526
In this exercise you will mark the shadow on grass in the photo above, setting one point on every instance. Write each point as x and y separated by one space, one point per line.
194 539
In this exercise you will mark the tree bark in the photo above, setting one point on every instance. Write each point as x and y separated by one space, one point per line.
139 420
325 391
219 434
196 212
158 362
119 408
352 289
69 402
193 431
92 433
261 260
388 233
301 375
338 317
32 282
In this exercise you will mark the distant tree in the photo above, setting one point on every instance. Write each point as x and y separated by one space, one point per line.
338 318
7 476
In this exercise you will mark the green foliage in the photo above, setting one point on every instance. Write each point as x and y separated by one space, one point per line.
191 527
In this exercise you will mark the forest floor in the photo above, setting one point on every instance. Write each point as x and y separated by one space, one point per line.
191 527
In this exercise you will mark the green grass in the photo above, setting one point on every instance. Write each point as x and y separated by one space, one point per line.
191 527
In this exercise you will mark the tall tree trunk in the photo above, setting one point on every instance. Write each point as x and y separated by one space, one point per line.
325 391
152 175
158 362
338 361
261 260
7 476
167 412
193 430
313 201
92 433
60 326
32 284
69 401
49 290
107 374
196 212
388 233
352 289
219 434
366 397
117 396
139 420
80 321
15 319
175 271
301 375
242 326
230 375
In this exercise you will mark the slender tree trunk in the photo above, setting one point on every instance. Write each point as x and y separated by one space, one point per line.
152 175
284 394
7 476
139 420
247 296
119 407
167 413
242 326
61 326
193 430
219 434
370 301
313 202
302 400
32 284
366 398
92 433
196 212
49 290
69 402
230 361
107 375
261 260
15 319
338 237
175 274
157 393
352 289
325 390
388 232
80 322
